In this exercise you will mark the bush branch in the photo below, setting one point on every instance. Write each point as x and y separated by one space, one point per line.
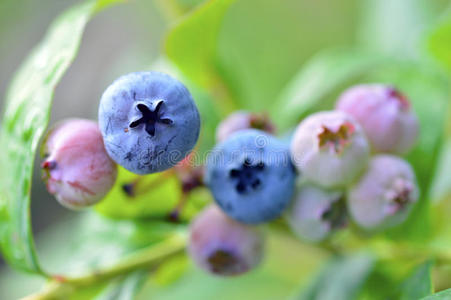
61 287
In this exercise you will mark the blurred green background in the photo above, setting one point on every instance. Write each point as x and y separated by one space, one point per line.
269 55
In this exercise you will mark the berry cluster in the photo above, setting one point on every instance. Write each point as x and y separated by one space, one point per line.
338 167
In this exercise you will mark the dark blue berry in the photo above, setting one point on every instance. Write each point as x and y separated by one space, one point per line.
149 121
251 176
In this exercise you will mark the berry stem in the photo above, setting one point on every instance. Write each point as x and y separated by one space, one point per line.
62 287
139 185
174 215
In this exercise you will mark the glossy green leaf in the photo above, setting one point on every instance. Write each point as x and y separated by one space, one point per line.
443 295
319 77
341 279
439 42
125 288
419 283
25 118
192 43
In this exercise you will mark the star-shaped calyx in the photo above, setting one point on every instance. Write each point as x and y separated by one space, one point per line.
336 139
247 176
150 117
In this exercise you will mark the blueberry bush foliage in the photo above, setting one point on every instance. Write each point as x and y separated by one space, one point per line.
124 249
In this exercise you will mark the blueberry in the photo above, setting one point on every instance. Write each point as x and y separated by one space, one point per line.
223 246
330 149
384 196
241 120
251 176
149 121
76 167
385 115
316 213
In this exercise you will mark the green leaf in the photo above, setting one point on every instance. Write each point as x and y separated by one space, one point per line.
171 270
443 295
319 77
385 279
341 279
441 191
192 43
124 288
419 284
176 8
393 27
255 51
441 187
439 42
263 43
83 242
28 103
94 242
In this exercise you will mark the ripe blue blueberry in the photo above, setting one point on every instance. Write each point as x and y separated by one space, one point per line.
251 176
223 246
316 213
149 121
385 195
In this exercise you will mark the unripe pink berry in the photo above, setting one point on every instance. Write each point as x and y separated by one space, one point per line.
76 167
241 120
385 195
316 213
330 149
385 115
223 246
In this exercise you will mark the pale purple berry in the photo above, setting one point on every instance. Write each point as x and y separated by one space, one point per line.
316 213
385 195
222 246
76 167
241 120
330 149
385 115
